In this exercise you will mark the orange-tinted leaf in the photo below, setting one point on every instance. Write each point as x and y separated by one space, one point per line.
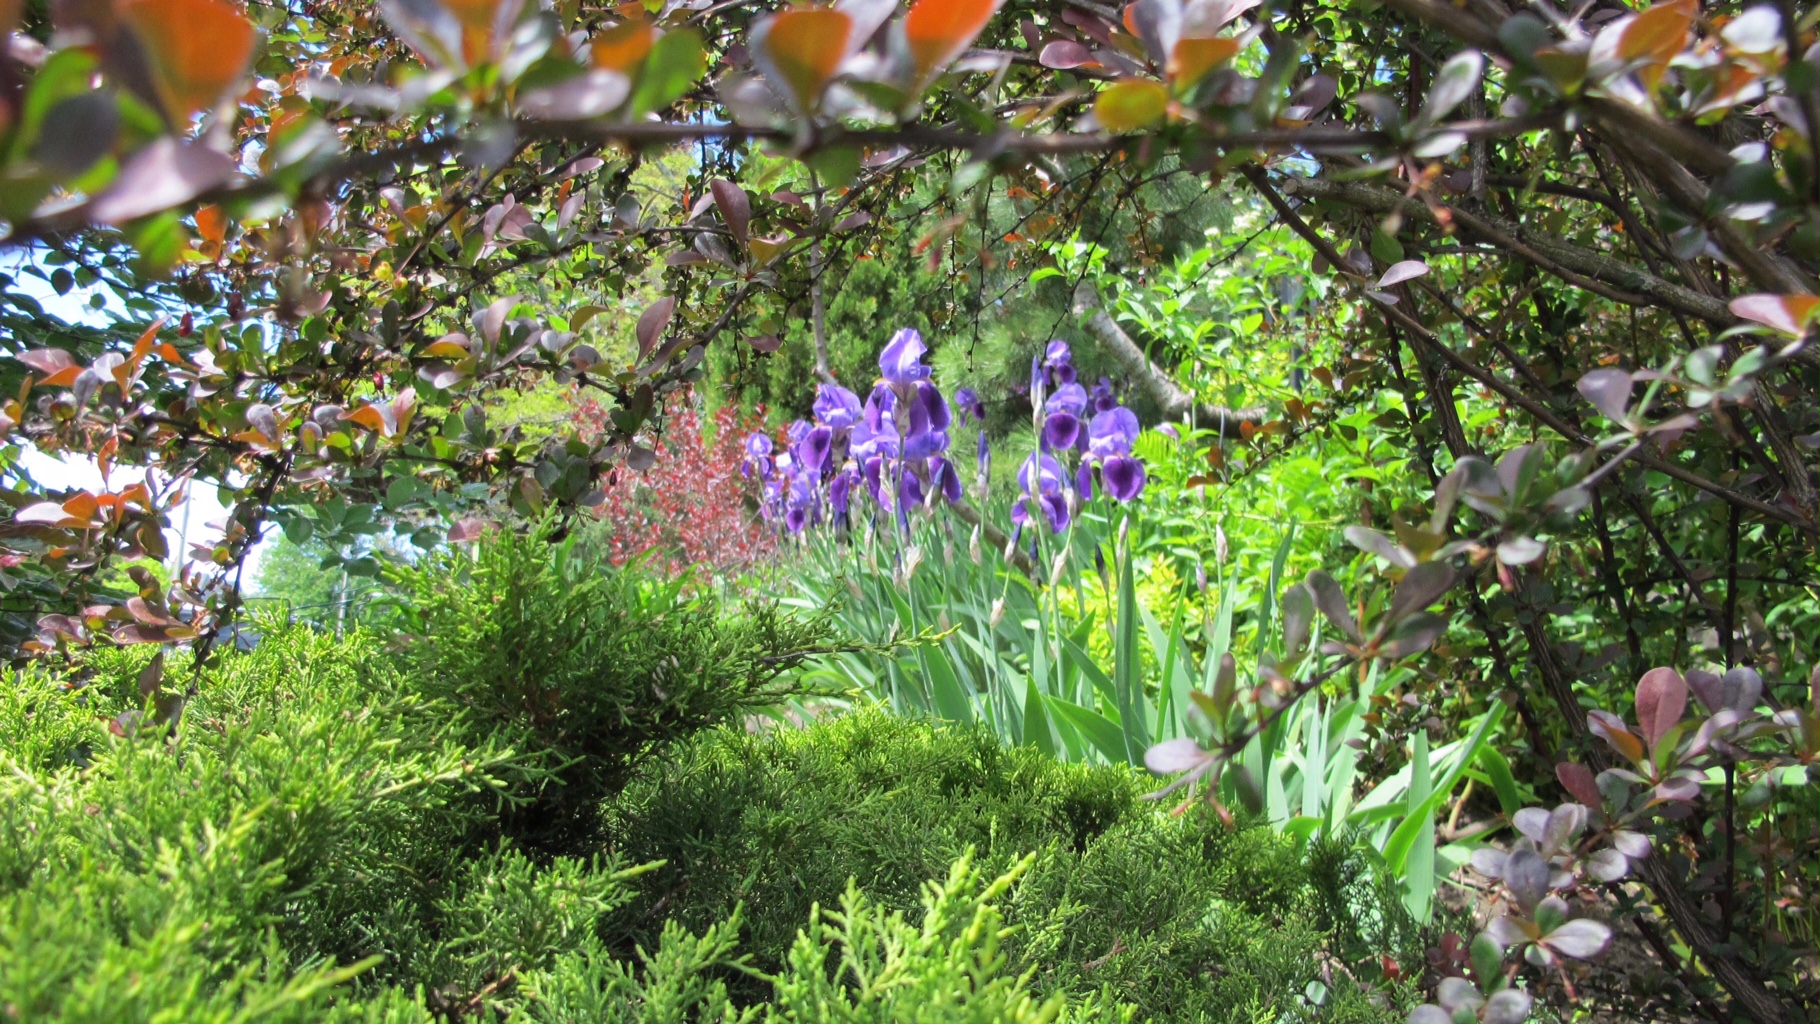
1193 58
938 30
1658 33
1131 104
372 418
211 224
623 46
198 49
802 48
447 348
82 505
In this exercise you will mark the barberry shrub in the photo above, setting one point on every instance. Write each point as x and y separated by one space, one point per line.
689 508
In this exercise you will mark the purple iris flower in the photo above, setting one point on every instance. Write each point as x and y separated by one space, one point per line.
758 446
1069 398
984 456
968 402
1124 477
841 489
1103 399
1052 507
1060 431
1083 481
1040 474
926 433
1112 432
873 437
814 447
945 479
796 430
1059 361
836 407
901 363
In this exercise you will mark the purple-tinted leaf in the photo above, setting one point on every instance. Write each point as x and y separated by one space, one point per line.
683 258
853 220
1578 780
1316 93
1581 939
466 530
1063 54
1608 391
1506 1006
1405 270
1456 80
1661 699
1738 690
1634 845
1178 755
765 342
261 417
651 324
493 318
1506 931
590 94
1420 587
1412 635
1456 993
1532 822
1298 616
1677 789
166 173
1521 550
1564 822
1527 875
1786 313
1375 542
735 207
1608 865
1158 23
1489 862
1331 600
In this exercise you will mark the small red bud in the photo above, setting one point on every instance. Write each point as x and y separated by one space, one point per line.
186 326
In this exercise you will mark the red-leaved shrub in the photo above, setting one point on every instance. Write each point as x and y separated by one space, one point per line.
691 507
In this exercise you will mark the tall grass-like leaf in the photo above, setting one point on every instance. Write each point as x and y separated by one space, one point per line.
1314 759
1127 666
1419 863
1267 615
1102 733
1503 783
1035 726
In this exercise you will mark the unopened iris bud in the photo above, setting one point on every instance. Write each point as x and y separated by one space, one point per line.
998 613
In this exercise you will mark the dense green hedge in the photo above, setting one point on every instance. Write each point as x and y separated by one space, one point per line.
363 829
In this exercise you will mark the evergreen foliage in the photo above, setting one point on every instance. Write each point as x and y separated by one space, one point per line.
1183 918
588 667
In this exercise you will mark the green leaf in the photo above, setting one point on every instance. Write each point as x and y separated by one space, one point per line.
1419 859
1503 783
676 62
1105 735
